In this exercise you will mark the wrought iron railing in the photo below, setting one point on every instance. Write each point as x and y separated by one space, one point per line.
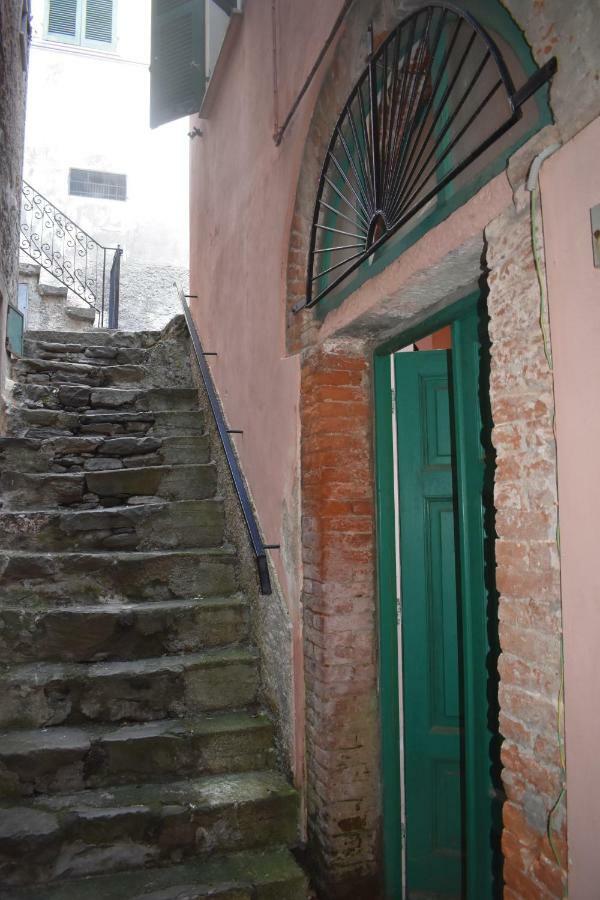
434 97
259 548
61 247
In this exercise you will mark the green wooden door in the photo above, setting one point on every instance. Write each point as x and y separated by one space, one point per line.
431 628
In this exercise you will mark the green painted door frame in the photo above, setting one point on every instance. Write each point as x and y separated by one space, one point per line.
480 803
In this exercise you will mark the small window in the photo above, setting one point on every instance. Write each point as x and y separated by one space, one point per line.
88 23
104 185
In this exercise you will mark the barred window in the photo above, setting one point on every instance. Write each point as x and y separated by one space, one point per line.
104 185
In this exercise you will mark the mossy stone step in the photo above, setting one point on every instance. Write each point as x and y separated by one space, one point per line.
94 354
34 579
59 759
73 453
271 874
107 488
49 371
77 396
145 526
42 424
120 631
129 826
97 338
37 695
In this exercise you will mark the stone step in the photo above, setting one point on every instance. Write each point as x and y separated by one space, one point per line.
42 424
33 579
120 631
126 827
97 337
38 695
81 397
146 526
76 453
271 874
94 354
48 372
107 488
52 760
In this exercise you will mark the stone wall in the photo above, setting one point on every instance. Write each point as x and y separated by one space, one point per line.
148 297
13 84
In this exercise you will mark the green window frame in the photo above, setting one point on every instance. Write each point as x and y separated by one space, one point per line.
82 23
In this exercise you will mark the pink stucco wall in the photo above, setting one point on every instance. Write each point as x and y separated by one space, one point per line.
242 195
570 186
240 281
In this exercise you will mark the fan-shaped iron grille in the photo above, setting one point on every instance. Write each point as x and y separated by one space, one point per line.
434 97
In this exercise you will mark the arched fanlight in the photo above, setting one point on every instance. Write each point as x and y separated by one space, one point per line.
433 98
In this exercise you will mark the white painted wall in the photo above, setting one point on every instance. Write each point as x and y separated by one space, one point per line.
89 109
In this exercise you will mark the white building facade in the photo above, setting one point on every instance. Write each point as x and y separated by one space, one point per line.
90 150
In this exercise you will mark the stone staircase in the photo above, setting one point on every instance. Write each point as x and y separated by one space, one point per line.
135 759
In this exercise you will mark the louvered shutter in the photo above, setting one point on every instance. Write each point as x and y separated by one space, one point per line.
99 21
62 18
177 68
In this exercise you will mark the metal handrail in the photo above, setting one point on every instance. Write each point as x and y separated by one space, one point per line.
258 546
65 250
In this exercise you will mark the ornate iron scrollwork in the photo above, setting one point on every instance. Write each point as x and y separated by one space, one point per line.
433 98
64 250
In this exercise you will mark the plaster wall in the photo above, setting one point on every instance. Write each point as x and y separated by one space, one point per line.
89 109
570 186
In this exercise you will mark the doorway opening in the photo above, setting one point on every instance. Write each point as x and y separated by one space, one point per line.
438 610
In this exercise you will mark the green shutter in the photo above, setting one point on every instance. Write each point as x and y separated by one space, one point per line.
227 6
177 69
62 18
99 21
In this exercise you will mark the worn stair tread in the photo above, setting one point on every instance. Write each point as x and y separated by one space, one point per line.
67 396
32 578
131 826
110 368
27 742
194 793
43 454
97 338
94 354
112 608
271 874
162 523
115 631
42 694
73 758
40 673
227 551
74 515
189 481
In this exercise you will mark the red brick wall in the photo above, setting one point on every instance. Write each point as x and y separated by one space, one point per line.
339 623
528 572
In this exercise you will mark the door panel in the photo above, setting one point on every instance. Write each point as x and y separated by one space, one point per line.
430 625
